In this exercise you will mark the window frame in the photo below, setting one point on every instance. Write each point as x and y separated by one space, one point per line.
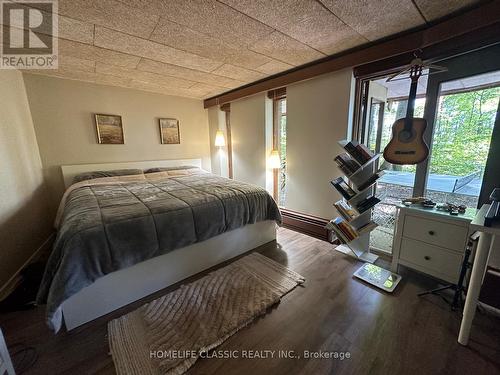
277 116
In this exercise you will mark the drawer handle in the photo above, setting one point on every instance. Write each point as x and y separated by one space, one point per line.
427 257
431 232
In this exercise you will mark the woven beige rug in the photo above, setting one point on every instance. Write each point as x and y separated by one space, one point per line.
166 335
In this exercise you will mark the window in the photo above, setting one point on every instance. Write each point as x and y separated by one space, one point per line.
279 144
282 151
460 107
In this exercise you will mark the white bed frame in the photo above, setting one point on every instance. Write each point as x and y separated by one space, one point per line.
125 286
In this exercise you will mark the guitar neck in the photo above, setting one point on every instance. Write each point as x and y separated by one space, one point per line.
410 109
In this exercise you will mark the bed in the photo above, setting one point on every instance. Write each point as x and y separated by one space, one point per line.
122 237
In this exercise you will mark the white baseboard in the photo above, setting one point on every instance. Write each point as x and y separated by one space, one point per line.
9 286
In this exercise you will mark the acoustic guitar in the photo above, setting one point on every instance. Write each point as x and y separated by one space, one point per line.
407 145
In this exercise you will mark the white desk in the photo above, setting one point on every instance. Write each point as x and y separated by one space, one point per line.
485 246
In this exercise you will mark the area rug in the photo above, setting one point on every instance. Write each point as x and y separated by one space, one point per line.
168 335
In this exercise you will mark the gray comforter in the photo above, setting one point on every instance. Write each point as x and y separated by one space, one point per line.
105 228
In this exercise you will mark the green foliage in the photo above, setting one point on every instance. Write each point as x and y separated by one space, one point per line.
462 132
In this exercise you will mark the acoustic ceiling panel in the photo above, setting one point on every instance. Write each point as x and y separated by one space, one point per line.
76 64
88 52
307 21
286 49
111 13
274 67
132 45
432 9
76 30
200 48
215 19
184 38
168 81
238 73
376 19
189 74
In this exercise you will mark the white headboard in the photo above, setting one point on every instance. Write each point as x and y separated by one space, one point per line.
70 171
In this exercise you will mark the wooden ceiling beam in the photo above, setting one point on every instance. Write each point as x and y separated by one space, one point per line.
486 15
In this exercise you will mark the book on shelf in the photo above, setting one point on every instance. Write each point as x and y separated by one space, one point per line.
367 203
343 188
345 210
346 163
370 180
358 151
342 229
365 152
367 227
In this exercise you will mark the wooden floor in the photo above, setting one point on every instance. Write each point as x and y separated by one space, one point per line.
384 334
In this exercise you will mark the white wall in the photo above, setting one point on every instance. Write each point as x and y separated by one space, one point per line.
319 114
248 132
63 110
24 222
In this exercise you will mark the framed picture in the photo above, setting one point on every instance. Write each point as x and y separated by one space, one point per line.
169 131
109 129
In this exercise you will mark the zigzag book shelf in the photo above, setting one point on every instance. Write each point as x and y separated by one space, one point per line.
354 224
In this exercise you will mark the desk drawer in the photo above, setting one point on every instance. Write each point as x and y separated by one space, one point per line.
435 232
436 261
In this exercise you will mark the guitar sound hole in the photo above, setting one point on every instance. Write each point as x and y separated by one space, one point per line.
406 135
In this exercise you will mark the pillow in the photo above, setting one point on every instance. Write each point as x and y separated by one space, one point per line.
112 173
167 169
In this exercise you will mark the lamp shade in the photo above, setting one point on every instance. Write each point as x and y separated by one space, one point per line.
219 139
274 159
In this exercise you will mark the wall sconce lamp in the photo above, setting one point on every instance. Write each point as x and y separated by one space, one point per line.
274 160
219 139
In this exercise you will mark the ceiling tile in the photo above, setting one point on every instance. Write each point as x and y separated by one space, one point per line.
184 38
107 79
205 90
74 63
433 9
112 14
238 73
245 58
67 74
274 13
325 34
286 49
189 74
274 67
209 17
110 39
376 19
84 51
304 20
199 48
72 29
143 76
146 86
76 30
